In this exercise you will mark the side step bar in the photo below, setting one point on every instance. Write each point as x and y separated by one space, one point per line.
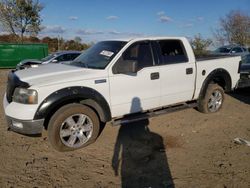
150 114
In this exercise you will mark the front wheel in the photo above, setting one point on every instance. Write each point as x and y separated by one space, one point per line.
72 127
213 99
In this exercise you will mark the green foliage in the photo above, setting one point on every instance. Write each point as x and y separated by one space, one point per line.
200 45
21 17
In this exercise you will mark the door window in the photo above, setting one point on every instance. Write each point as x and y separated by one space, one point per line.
140 52
66 57
73 56
237 50
172 51
62 57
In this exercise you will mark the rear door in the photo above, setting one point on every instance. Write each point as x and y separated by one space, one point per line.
177 72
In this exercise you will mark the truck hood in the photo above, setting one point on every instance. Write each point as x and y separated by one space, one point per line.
50 74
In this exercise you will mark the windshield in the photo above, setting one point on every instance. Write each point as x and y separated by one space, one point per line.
223 50
99 55
49 57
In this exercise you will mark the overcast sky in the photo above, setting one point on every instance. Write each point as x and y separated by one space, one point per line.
106 19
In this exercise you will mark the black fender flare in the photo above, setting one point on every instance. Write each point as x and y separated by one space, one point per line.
79 94
215 76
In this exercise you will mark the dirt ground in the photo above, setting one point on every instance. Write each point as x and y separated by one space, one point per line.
181 149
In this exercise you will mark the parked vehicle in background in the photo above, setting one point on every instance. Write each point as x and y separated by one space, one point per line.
245 65
62 57
231 50
11 54
119 81
245 72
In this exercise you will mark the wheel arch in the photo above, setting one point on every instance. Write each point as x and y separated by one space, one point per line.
82 95
220 77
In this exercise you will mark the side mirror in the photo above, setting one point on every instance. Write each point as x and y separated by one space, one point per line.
125 67
54 61
233 52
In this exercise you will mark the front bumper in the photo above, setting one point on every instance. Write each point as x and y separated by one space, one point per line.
27 127
22 123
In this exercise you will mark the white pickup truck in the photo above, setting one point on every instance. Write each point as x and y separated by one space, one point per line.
119 81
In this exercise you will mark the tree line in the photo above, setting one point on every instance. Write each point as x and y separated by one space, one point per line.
22 20
234 28
54 44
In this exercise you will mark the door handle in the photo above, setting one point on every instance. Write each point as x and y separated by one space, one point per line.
155 75
189 71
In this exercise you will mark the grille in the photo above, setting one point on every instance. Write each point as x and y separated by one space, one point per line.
12 84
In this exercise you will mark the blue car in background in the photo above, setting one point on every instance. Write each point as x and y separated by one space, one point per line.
244 81
231 50
57 57
245 65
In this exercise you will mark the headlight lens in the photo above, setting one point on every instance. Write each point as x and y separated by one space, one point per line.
34 65
25 96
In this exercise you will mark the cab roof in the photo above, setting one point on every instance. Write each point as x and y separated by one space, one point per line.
146 38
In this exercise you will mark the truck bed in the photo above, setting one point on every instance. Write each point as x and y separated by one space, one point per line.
212 57
206 65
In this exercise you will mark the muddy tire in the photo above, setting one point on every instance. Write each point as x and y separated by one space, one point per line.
213 100
73 126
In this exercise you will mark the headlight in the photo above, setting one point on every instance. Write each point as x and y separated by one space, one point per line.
25 96
35 65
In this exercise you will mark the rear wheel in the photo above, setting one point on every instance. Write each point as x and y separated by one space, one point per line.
213 99
72 127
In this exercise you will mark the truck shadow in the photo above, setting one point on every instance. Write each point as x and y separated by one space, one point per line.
242 95
140 156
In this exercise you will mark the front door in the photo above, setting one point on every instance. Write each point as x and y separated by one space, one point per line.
135 92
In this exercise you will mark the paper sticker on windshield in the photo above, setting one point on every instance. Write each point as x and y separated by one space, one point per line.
107 53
